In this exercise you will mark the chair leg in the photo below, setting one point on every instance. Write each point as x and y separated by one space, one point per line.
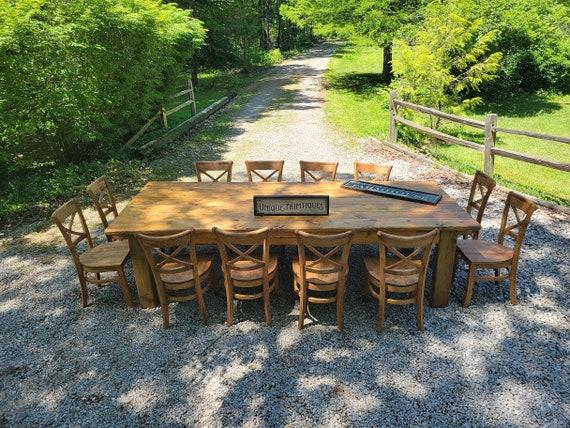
165 314
340 305
302 306
201 303
513 286
497 272
420 311
469 287
267 303
230 305
125 288
83 290
381 308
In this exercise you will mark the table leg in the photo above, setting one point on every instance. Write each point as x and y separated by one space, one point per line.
143 276
443 275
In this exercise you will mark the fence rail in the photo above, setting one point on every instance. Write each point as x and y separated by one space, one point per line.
163 113
490 130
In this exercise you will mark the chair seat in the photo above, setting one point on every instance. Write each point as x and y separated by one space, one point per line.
105 255
318 278
484 252
204 265
373 267
253 274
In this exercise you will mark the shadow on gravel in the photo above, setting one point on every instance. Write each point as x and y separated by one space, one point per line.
492 363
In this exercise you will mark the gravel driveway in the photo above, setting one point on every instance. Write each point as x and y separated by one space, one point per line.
492 364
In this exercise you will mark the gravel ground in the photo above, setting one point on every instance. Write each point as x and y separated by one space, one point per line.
492 364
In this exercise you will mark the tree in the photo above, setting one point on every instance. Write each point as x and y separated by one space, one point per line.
77 76
448 56
378 20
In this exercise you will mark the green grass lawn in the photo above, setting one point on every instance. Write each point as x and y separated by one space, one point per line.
357 102
356 97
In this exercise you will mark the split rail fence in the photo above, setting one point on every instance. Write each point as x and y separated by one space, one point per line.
163 113
489 128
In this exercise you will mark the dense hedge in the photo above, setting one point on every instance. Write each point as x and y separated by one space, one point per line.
76 76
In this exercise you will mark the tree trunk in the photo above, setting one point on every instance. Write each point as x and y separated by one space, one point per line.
265 35
387 72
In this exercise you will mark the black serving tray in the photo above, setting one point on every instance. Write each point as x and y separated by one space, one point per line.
393 191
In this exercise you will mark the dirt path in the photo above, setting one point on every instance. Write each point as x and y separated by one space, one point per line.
286 119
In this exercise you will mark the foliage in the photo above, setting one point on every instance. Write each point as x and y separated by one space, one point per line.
378 20
447 58
76 77
534 37
48 186
241 32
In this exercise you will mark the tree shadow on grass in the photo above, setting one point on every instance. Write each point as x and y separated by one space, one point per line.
358 83
521 105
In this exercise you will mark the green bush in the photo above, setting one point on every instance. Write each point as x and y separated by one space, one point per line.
534 37
78 76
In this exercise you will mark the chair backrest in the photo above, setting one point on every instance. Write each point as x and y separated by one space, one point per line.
323 254
481 189
318 170
238 251
400 264
271 168
371 171
171 257
516 217
206 167
102 196
74 232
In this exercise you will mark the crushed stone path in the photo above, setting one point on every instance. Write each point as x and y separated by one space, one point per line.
286 119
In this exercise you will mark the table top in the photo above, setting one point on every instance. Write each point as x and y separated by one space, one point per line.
169 207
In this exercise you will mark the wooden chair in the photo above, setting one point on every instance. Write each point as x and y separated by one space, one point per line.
371 171
489 255
247 276
206 167
400 273
318 171
481 189
271 168
102 196
108 257
320 276
179 273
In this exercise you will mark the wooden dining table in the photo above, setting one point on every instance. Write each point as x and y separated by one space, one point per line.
169 207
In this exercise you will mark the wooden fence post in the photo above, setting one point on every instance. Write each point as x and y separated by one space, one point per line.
164 117
393 132
490 137
192 97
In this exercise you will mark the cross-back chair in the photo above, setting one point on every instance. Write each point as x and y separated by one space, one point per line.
481 189
320 271
479 254
401 273
248 275
371 171
92 261
265 170
102 196
179 272
318 171
214 170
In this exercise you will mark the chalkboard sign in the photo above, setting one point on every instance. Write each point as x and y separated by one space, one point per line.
291 205
393 191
